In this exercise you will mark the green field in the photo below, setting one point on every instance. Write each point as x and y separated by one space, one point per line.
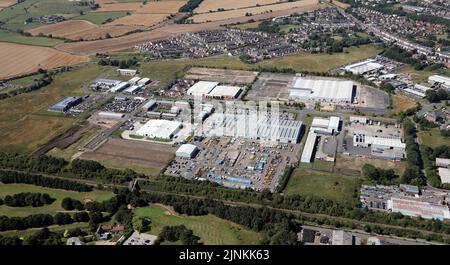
211 229
422 76
433 138
23 127
58 194
322 184
15 16
101 17
53 228
7 36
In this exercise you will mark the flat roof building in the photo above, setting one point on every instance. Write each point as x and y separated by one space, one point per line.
128 72
140 239
201 88
331 90
308 149
134 80
224 92
65 104
258 127
444 173
119 87
442 162
187 151
364 67
416 208
162 129
438 79
325 125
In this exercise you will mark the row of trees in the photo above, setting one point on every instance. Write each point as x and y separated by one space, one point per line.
42 220
412 174
434 96
8 177
429 161
28 199
190 6
44 164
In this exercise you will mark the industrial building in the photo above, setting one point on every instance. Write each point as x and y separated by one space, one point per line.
330 90
257 127
359 119
444 173
364 67
144 81
162 129
442 162
440 80
119 87
308 149
187 151
134 80
65 104
325 125
382 147
224 92
110 115
149 105
128 72
416 208
201 88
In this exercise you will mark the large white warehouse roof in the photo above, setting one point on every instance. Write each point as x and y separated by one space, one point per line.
309 147
186 151
159 129
201 88
363 67
439 79
224 92
322 89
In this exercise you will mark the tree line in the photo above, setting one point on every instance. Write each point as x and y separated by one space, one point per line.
28 199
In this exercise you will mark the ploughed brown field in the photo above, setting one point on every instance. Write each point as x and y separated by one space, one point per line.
6 3
129 152
82 29
17 59
140 20
214 5
167 31
160 7
303 5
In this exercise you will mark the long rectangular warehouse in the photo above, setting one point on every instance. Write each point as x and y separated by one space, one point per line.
259 128
201 88
331 90
308 149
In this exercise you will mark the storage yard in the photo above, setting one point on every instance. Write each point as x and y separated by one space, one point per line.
236 162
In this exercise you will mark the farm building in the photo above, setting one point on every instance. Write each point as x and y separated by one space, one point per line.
411 207
163 129
441 80
187 151
444 173
325 125
364 67
308 149
65 104
128 72
331 90
224 92
201 88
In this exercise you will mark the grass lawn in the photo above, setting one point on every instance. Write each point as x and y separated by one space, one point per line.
148 171
354 164
58 194
27 80
422 76
23 128
6 36
211 229
322 184
433 138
